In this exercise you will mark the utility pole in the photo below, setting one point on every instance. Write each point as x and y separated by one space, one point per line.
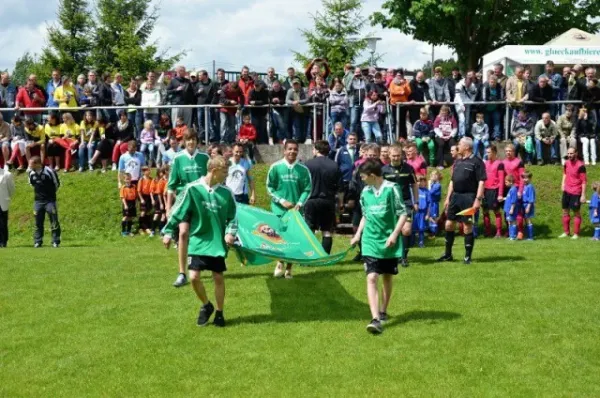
214 74
432 59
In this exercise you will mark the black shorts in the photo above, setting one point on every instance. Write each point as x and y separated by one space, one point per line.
571 202
458 203
147 206
320 214
158 209
490 199
381 265
207 263
408 205
131 209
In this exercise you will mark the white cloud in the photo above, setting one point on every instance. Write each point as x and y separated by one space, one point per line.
259 33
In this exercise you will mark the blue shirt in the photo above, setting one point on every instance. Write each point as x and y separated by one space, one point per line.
594 203
436 192
424 199
510 200
132 164
169 155
529 199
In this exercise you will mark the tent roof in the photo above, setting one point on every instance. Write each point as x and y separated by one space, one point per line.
574 37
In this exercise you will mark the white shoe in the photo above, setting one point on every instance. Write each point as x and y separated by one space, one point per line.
270 141
81 169
6 168
278 271
91 166
575 237
288 274
564 235
103 170
587 163
593 163
114 167
308 142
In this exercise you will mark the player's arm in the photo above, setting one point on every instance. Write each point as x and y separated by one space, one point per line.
122 196
139 191
449 194
179 212
480 190
361 226
583 173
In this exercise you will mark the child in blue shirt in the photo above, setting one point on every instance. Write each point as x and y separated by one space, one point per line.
528 203
435 194
595 211
510 207
420 218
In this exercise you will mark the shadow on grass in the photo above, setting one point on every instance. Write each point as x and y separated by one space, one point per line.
497 259
423 316
316 296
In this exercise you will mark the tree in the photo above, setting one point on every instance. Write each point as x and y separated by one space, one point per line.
446 64
70 40
121 38
473 29
27 65
336 34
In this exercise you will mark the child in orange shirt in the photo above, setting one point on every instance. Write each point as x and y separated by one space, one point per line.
128 194
179 129
158 188
145 195
247 136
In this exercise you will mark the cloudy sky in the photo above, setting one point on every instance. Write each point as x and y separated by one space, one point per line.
259 33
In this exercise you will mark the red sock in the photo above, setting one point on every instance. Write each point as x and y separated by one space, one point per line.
487 224
577 225
15 155
566 223
498 223
520 222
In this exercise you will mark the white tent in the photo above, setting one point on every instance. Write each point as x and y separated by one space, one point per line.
572 47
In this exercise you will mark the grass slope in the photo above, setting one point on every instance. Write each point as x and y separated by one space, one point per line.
99 317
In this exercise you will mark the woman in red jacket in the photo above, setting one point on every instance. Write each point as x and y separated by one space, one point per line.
29 96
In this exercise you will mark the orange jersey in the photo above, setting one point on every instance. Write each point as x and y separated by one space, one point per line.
128 193
179 131
158 186
144 186
164 182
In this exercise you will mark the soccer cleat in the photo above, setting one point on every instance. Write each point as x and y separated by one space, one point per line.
520 236
181 280
375 327
575 237
56 245
37 245
219 320
205 312
288 274
278 273
383 317
404 263
467 261
445 258
564 235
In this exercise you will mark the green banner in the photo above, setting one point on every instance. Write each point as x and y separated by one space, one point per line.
264 238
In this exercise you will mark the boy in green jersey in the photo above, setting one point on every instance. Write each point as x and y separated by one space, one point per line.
384 215
289 185
209 208
187 166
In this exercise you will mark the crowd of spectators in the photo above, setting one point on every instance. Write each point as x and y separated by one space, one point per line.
434 113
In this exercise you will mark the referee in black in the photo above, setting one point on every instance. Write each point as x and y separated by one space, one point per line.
464 191
319 209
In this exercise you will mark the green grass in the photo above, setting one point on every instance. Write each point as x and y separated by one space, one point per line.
99 316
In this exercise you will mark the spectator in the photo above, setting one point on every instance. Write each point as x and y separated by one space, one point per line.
445 130
424 134
246 84
389 76
587 137
345 157
180 129
259 97
36 139
33 78
65 96
205 91
540 93
270 78
318 94
147 139
220 83
481 136
5 137
400 91
545 136
123 135
277 99
18 142
567 131
247 135
51 87
30 97
527 78
348 75
80 86
492 92
105 144
92 81
522 134
163 131
150 98
239 179
174 149
500 76
439 89
590 97
7 191
69 134
133 97
181 92
103 96
8 95
88 141
338 139
296 97
118 92
231 99
372 108
53 149
453 80
516 90
338 104
130 162
419 92
555 82
564 87
288 83
314 69
466 91
357 90
575 88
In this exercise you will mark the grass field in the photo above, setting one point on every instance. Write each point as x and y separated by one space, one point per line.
99 317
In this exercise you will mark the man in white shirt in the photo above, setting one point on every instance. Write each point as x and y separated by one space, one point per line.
7 190
239 179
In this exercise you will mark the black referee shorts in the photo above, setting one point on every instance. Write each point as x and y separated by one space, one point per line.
320 214
458 203
571 202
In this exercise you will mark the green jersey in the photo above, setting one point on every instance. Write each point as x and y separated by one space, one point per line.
289 182
211 214
381 208
186 168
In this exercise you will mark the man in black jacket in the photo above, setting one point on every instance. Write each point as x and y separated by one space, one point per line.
259 96
181 92
205 91
419 92
45 183
540 93
103 96
319 210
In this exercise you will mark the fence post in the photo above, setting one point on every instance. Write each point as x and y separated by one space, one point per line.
314 123
206 135
397 122
326 120
506 122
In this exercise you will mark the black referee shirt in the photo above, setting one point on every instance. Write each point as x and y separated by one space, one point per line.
403 175
467 174
326 178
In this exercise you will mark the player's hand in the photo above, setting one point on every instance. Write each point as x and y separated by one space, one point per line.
229 239
391 241
252 199
166 241
287 205
142 201
355 240
582 199
416 207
